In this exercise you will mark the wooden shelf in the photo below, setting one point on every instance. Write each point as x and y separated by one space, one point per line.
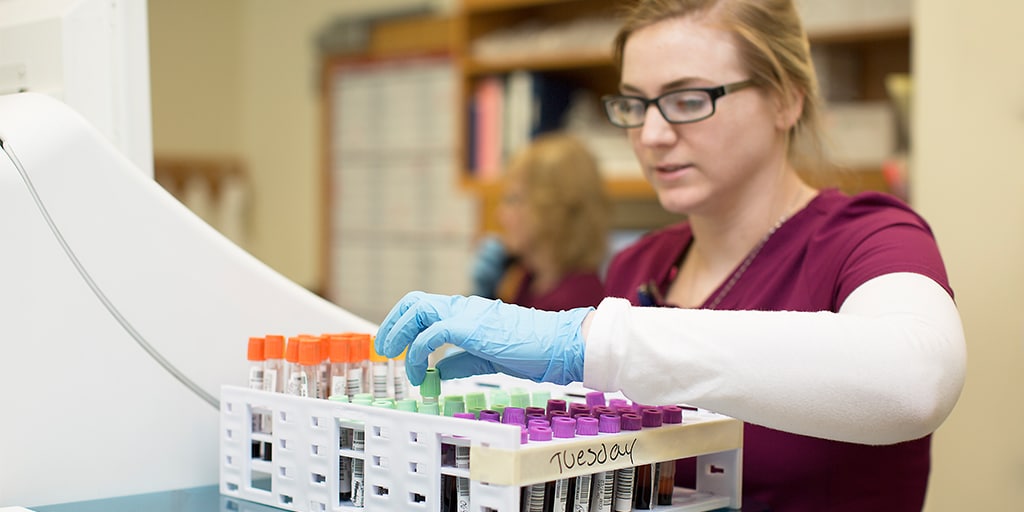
597 59
480 6
866 34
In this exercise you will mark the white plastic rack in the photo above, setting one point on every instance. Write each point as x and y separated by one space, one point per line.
298 466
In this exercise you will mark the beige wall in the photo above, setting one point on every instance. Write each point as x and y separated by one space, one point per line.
968 181
195 74
241 78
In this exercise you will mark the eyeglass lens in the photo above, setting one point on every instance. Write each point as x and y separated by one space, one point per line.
676 107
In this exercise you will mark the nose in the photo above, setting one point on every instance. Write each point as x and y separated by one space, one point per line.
656 131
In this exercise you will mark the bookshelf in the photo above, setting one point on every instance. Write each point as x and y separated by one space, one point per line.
570 41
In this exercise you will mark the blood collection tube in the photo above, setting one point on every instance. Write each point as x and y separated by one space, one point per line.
358 464
623 501
273 365
564 488
670 415
462 462
292 374
256 358
345 441
585 426
309 368
273 380
401 379
603 485
430 389
535 495
361 342
323 375
354 371
645 493
338 356
378 373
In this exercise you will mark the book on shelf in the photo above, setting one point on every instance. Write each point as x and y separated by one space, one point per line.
507 112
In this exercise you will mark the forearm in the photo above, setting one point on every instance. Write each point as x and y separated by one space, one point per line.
887 368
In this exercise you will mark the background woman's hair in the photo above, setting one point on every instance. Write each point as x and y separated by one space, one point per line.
566 199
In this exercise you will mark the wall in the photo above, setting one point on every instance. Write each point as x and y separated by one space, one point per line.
967 181
241 77
195 73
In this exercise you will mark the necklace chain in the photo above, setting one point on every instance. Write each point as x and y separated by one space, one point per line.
751 255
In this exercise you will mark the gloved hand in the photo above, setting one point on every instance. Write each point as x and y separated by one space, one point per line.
543 346
488 267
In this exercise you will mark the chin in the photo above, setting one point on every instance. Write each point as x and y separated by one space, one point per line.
675 201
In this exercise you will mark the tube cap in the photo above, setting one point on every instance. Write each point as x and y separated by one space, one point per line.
671 414
595 398
537 421
555 404
536 410
540 433
406 404
338 352
256 345
632 421
614 403
488 414
273 347
540 397
454 406
431 385
651 417
291 351
374 356
513 416
563 427
586 426
609 423
476 400
309 352
519 399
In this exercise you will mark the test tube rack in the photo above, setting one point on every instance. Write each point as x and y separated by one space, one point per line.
403 463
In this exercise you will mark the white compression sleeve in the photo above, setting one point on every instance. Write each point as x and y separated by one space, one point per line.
888 367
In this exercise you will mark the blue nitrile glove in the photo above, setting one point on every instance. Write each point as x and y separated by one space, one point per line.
488 267
543 346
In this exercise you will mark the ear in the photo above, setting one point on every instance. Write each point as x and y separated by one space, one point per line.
789 112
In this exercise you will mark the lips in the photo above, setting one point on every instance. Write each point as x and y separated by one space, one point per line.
666 171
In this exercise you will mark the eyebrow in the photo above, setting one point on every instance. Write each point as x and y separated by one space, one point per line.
675 84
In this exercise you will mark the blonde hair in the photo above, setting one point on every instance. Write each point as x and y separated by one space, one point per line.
565 196
773 47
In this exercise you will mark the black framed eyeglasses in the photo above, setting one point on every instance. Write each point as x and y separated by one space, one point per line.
679 106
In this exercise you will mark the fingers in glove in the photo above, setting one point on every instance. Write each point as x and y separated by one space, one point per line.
404 322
